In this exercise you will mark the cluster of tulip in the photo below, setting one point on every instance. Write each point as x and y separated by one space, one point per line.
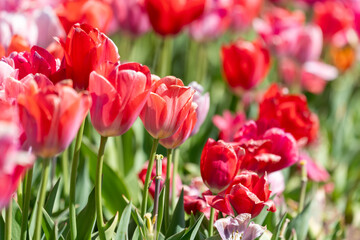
58 65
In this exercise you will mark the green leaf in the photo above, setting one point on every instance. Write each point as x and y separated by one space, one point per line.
278 228
2 227
86 219
16 221
177 223
160 211
136 235
300 223
259 219
122 231
49 205
216 237
113 185
177 236
192 232
110 226
47 225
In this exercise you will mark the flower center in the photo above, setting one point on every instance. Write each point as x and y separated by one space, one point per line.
236 235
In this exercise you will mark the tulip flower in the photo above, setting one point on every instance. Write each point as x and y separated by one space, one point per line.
315 172
219 164
245 64
228 124
200 100
291 113
93 12
243 13
238 228
167 107
268 149
85 50
248 193
118 95
332 17
51 117
214 21
131 16
168 17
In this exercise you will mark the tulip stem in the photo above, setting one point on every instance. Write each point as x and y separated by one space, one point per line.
75 161
24 223
65 172
211 222
202 61
157 187
164 65
303 185
8 218
148 175
175 170
39 213
99 167
167 184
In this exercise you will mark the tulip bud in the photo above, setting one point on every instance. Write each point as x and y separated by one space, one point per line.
219 164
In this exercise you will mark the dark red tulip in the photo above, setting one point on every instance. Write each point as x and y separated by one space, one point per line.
219 164
248 193
118 95
167 107
245 64
168 17
51 116
291 113
86 48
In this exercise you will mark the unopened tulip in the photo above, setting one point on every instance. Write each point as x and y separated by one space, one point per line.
168 17
245 64
248 193
86 48
118 97
291 113
219 164
167 107
51 117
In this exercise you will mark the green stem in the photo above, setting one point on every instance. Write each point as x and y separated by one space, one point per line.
175 170
65 172
303 186
75 161
211 223
8 218
148 175
202 61
24 223
167 184
164 65
20 196
39 213
99 167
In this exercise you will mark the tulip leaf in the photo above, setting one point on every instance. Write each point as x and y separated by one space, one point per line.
49 205
216 237
278 228
2 227
300 223
122 231
192 232
47 225
160 211
110 226
177 223
136 235
177 236
86 219
16 221
113 185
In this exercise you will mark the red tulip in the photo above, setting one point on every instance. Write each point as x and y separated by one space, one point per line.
228 124
118 97
219 164
248 193
183 133
290 112
94 12
268 149
244 12
142 175
332 17
245 64
86 48
167 107
168 17
51 117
